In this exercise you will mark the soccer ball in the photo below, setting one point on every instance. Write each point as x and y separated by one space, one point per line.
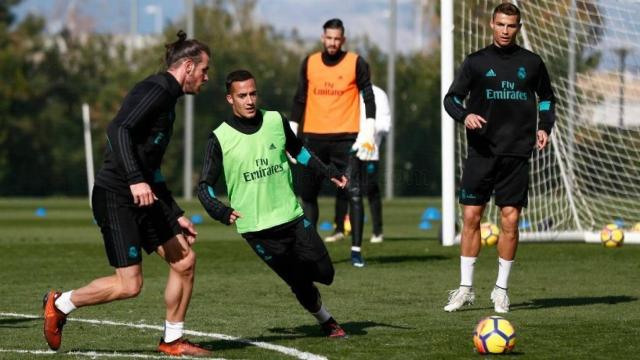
494 335
612 236
489 234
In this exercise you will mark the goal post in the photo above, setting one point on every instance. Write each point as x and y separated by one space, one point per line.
589 174
447 124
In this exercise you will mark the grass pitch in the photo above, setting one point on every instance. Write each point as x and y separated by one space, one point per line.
569 300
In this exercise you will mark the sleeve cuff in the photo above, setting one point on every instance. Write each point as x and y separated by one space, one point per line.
135 178
464 116
178 212
546 127
226 217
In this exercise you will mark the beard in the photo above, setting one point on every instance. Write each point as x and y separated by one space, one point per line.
191 85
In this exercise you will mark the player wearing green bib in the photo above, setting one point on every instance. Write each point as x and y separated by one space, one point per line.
250 149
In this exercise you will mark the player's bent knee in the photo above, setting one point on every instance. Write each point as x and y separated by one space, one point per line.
472 218
186 265
131 288
509 221
326 273
327 278
128 282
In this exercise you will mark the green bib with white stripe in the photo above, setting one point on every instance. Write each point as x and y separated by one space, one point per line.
259 180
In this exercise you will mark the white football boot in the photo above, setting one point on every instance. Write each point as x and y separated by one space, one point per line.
463 295
334 237
500 300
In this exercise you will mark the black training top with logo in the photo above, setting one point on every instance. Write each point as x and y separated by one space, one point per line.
138 136
502 84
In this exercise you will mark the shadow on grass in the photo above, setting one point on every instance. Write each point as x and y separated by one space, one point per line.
535 304
11 322
406 238
390 259
353 328
572 301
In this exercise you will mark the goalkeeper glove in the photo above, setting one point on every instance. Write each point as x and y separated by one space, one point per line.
365 144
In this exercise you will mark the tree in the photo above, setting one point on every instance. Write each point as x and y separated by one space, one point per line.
45 80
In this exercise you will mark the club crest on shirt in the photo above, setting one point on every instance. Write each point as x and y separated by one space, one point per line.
522 73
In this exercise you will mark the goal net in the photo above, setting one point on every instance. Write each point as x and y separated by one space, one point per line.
589 175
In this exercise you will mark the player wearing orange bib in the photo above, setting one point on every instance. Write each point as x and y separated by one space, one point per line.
326 113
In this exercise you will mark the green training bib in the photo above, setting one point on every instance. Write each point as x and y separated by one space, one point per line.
259 180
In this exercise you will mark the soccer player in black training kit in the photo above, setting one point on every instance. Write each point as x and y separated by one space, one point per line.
502 81
327 108
133 207
250 149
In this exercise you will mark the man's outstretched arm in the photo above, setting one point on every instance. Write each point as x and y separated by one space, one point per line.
307 159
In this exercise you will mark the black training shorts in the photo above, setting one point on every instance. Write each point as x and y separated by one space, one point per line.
126 227
297 240
507 177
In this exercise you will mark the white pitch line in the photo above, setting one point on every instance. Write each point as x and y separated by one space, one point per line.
264 345
94 354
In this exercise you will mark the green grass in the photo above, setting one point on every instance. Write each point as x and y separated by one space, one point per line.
569 300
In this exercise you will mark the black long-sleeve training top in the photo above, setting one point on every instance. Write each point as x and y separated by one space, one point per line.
138 136
363 81
213 168
502 84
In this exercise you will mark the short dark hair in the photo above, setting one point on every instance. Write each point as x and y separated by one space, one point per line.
333 24
237 75
507 9
183 49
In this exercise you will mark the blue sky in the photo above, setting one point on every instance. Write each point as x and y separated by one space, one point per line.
361 17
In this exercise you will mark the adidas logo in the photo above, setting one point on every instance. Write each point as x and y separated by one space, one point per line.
490 73
272 147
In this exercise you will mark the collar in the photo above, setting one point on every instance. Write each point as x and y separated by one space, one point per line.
333 59
508 50
246 126
174 86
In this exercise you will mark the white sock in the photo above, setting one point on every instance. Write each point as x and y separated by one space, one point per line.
504 268
355 248
64 304
172 330
322 315
467 265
